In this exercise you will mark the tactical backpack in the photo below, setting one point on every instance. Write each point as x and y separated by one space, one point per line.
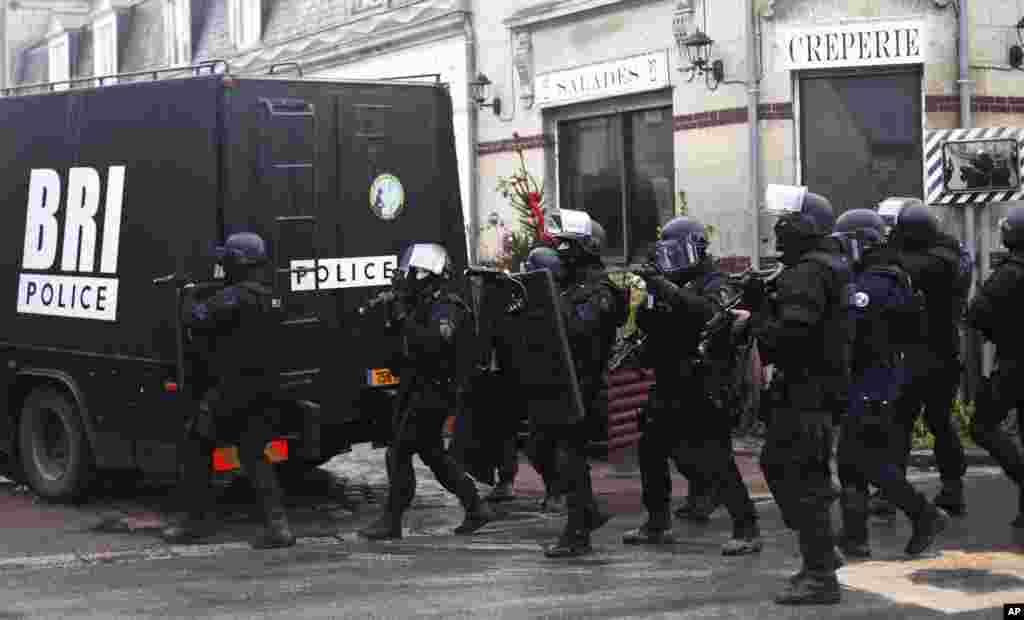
840 304
961 264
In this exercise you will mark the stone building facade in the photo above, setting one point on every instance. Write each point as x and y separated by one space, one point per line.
597 91
636 153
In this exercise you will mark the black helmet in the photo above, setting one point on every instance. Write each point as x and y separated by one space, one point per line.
544 257
916 224
796 230
1011 228
243 248
862 229
683 245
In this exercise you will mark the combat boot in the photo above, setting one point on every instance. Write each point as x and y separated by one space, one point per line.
477 516
698 509
570 545
194 528
596 518
388 525
837 558
501 493
278 533
951 498
810 589
554 504
746 539
656 531
1019 521
926 528
853 540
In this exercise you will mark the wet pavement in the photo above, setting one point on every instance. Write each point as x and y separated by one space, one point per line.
104 559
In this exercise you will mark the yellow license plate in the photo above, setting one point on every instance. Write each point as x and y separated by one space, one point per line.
226 459
381 376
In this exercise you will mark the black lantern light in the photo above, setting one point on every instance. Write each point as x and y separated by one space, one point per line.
478 90
697 48
1017 51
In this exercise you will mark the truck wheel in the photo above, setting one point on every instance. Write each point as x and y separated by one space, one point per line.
54 449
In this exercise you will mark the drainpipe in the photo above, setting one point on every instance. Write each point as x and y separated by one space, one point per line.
473 115
754 123
973 349
4 71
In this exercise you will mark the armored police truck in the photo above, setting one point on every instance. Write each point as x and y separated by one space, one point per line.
108 192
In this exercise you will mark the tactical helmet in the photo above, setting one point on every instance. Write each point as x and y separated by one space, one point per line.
575 233
860 230
917 224
544 257
242 249
796 229
683 245
1011 228
421 260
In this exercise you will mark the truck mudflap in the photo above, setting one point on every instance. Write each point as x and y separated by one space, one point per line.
303 446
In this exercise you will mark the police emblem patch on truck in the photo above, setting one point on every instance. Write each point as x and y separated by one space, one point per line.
70 288
387 197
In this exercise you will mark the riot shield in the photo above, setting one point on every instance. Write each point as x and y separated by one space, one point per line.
532 347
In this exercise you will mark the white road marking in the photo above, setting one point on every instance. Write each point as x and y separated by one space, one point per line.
896 580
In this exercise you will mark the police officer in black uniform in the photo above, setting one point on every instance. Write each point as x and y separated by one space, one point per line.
431 318
933 361
804 329
994 312
237 407
593 311
683 420
886 310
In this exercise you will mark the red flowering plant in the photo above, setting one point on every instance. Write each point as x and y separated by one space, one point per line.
526 193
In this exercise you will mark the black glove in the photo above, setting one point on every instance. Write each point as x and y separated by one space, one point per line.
754 293
661 286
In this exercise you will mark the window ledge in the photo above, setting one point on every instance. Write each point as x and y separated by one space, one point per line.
550 11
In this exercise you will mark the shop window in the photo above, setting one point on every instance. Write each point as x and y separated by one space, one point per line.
619 169
60 61
104 35
861 136
178 32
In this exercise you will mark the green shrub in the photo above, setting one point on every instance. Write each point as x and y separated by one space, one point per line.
963 413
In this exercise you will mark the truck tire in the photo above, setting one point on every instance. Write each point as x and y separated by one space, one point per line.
55 454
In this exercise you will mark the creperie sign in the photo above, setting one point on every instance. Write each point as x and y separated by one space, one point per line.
854 45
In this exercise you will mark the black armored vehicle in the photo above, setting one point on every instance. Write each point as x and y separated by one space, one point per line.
111 202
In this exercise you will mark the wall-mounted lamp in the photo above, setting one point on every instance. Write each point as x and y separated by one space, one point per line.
696 48
478 91
1017 51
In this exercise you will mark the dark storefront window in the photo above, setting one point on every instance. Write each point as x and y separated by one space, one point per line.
619 169
861 136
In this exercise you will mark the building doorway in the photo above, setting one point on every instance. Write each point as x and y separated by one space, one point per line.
620 169
861 136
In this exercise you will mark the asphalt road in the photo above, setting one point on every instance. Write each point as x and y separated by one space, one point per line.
71 563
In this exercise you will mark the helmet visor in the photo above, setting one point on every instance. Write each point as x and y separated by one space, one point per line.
424 259
783 200
674 255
